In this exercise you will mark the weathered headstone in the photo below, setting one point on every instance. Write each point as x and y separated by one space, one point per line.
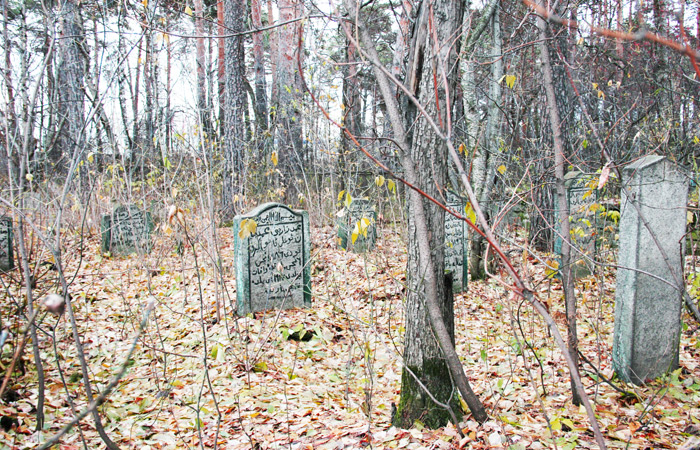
7 260
581 198
127 230
272 263
692 242
456 244
647 309
360 216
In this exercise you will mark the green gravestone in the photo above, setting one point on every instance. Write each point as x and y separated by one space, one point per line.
127 230
647 307
272 263
581 198
351 220
7 260
456 244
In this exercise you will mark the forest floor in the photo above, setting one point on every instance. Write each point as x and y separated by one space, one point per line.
196 381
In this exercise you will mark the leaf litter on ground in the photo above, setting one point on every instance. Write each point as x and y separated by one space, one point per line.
241 382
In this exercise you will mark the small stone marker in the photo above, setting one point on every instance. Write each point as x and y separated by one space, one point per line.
456 244
272 263
358 210
127 230
7 260
648 310
581 198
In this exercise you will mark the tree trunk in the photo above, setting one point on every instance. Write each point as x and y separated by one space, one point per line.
221 65
146 150
562 204
201 66
259 66
123 86
234 110
485 159
288 108
69 87
423 355
433 271
273 54
136 88
351 112
168 91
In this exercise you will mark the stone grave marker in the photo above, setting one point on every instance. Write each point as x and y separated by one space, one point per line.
456 244
272 263
127 230
7 260
358 210
648 310
581 198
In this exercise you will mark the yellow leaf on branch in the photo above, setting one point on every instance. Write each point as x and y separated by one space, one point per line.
469 211
551 269
247 228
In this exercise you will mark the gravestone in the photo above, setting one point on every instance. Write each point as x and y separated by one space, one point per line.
127 230
647 309
272 263
358 210
456 244
581 198
692 243
7 260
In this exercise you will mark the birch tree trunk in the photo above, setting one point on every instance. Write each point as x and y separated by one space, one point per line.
487 159
221 64
201 62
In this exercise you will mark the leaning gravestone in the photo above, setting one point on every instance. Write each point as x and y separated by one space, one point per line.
352 220
456 244
272 262
581 198
647 309
7 260
127 230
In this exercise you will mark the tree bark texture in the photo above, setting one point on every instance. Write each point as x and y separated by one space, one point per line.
259 67
146 150
273 55
221 64
288 107
486 151
433 38
235 107
201 62
352 105
69 87
431 283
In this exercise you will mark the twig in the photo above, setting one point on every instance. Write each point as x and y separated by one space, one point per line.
18 352
108 389
638 36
